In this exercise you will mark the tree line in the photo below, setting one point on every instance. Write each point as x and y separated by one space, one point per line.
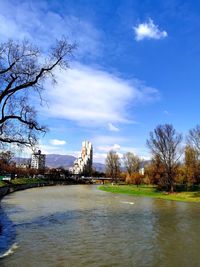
172 164
23 71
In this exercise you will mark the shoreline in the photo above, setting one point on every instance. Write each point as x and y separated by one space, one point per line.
11 188
151 192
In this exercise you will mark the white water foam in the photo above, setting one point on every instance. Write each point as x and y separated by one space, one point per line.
126 202
10 251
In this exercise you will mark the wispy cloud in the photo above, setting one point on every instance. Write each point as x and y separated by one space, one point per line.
112 127
102 151
89 96
167 113
57 142
94 97
107 148
102 140
83 94
41 25
148 30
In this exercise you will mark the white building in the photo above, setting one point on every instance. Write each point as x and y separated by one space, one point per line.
83 164
38 160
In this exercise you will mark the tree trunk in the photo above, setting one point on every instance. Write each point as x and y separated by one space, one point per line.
172 188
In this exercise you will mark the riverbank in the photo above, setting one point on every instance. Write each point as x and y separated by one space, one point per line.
150 191
26 183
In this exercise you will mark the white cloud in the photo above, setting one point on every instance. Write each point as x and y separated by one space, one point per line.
56 142
99 157
83 94
116 147
107 148
148 30
37 23
166 112
121 148
94 97
108 139
112 127
103 149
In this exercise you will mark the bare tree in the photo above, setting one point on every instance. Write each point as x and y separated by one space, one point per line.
6 157
132 163
113 165
23 70
193 138
164 144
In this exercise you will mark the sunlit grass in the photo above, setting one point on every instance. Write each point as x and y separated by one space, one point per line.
151 191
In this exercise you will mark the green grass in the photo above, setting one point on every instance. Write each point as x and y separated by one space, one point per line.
27 181
22 181
2 183
151 191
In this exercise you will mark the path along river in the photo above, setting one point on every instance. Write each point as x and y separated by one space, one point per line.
79 225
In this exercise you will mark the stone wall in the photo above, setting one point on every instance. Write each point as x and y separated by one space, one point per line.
4 191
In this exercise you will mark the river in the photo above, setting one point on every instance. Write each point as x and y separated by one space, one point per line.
79 225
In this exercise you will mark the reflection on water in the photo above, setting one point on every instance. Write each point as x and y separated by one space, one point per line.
82 226
7 235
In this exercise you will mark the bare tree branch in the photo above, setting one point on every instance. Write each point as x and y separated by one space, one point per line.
113 165
193 138
23 68
164 144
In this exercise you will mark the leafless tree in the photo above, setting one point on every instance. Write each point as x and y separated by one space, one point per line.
23 70
131 162
164 144
193 138
113 165
6 157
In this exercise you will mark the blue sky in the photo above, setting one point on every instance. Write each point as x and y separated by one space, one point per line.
137 65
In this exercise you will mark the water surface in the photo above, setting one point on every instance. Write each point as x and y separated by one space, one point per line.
82 226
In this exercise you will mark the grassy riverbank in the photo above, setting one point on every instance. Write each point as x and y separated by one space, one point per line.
150 191
21 181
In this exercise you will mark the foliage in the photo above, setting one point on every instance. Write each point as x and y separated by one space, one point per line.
28 181
6 164
156 173
192 165
135 178
96 173
20 181
2 183
123 176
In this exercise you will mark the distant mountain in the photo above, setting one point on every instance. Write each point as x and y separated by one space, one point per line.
52 160
67 161
100 167
56 160
19 160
